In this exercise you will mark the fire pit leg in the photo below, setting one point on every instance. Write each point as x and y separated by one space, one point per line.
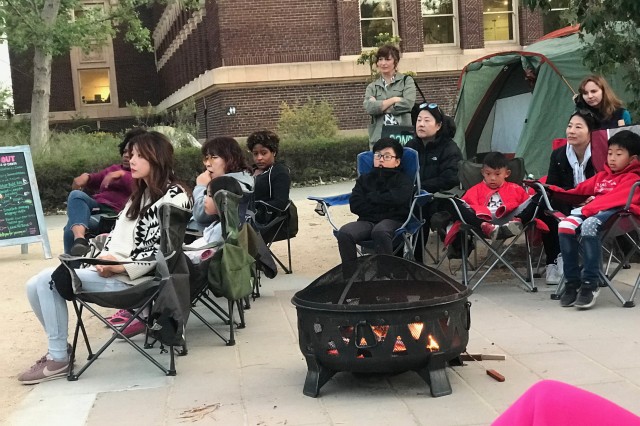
317 376
436 377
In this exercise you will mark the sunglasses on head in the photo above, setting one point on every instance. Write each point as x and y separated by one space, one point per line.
430 105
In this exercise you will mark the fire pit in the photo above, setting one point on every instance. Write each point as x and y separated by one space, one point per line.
382 314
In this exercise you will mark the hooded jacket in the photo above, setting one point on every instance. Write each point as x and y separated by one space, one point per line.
382 194
512 195
610 190
438 163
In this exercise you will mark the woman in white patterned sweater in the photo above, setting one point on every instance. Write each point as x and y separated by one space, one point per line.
135 237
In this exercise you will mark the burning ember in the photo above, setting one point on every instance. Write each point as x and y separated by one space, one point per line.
363 342
333 351
399 348
415 329
432 345
380 331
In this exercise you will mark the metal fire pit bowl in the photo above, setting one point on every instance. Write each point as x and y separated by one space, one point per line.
382 314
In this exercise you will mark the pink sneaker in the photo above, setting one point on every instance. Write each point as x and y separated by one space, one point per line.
119 318
136 327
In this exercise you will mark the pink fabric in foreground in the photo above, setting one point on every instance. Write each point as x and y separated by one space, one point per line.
551 403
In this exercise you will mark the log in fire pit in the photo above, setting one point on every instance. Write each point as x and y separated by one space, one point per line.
382 314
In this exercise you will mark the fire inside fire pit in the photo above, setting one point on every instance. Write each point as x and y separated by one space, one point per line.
382 314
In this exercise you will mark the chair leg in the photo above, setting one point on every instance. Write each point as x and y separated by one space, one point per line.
232 340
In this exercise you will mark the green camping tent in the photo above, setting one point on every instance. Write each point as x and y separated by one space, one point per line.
519 101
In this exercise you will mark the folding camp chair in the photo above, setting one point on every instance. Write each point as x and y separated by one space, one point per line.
625 225
470 174
204 285
170 262
279 228
406 236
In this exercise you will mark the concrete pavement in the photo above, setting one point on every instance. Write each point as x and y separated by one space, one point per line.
259 381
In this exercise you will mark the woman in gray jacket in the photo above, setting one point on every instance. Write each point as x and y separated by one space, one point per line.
390 98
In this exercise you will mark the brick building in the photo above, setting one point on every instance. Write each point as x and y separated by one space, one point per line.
241 59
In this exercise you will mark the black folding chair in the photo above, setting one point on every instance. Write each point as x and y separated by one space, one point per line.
137 298
470 174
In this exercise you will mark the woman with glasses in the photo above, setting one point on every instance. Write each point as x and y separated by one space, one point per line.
381 199
390 98
438 156
221 156
595 95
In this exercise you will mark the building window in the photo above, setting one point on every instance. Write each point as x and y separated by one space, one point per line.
376 17
94 86
439 21
553 20
499 20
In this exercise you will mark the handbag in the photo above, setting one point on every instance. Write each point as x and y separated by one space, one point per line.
229 272
62 281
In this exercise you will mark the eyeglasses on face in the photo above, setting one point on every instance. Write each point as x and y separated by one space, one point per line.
385 157
209 158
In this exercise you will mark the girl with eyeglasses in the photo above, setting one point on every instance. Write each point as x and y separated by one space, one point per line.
221 156
390 98
381 199
595 95
439 156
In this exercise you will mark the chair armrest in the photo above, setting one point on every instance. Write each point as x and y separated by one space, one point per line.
631 192
271 206
334 200
422 198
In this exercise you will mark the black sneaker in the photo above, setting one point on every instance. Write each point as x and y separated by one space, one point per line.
586 297
568 297
80 247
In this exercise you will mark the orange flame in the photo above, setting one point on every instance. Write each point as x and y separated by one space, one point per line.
333 352
432 344
399 346
415 329
363 342
380 331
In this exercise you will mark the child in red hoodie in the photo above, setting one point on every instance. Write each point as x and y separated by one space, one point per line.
608 192
494 205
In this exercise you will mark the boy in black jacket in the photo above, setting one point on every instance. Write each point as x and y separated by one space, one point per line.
381 199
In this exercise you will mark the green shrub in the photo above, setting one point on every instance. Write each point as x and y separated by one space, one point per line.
70 154
322 160
309 121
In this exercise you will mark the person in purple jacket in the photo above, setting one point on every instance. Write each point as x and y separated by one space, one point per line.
111 188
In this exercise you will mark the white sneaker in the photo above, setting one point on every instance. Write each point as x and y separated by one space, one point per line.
554 274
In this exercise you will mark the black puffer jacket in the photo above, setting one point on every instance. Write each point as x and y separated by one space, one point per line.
382 194
560 171
438 163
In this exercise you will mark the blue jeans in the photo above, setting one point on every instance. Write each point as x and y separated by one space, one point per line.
591 244
51 309
79 208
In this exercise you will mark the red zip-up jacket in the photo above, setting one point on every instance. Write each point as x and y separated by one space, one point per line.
512 195
610 190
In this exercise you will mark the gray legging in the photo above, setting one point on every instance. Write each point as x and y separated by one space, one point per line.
51 308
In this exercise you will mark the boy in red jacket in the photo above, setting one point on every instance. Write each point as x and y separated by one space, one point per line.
608 192
493 205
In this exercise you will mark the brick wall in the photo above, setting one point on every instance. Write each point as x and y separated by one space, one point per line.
136 74
22 80
471 27
279 31
410 25
258 108
348 15
530 24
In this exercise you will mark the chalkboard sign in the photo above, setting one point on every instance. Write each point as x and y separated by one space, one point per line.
21 217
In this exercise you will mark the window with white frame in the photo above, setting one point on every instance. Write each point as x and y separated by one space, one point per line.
553 20
376 17
499 21
439 22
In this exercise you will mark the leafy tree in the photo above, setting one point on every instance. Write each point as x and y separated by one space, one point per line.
6 105
616 41
50 28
